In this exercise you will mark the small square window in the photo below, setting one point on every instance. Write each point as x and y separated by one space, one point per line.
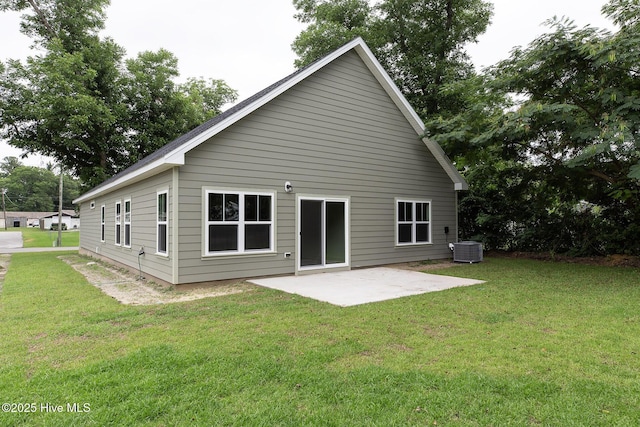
413 222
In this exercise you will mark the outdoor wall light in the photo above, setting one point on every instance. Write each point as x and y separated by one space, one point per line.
288 187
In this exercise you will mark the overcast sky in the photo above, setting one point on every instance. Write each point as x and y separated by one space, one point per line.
247 43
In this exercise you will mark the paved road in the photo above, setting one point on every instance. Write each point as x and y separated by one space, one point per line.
11 243
10 240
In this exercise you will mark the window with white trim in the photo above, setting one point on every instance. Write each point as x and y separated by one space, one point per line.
102 222
127 223
118 223
162 221
413 222
238 222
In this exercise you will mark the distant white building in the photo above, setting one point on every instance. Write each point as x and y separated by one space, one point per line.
71 221
36 219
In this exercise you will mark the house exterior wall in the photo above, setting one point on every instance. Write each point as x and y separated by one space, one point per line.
143 197
337 133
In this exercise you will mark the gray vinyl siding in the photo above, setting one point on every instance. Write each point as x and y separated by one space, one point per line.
90 225
337 133
143 226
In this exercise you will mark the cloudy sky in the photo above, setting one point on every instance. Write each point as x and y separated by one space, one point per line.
247 43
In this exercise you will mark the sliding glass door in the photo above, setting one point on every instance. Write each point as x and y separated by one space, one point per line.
323 226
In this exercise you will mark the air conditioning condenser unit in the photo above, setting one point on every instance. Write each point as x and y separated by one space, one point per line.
467 252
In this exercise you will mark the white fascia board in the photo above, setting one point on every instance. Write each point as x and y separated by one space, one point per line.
149 170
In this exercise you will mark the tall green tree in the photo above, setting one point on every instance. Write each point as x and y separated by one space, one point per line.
8 165
33 189
330 24
419 42
78 100
30 189
160 109
572 128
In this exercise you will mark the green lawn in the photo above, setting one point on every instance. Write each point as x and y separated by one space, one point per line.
539 343
36 238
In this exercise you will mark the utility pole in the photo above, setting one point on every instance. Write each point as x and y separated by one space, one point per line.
60 209
4 209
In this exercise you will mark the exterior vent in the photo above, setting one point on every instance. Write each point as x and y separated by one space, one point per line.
467 252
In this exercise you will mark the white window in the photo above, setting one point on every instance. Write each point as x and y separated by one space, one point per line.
118 223
127 223
413 222
162 220
238 222
102 218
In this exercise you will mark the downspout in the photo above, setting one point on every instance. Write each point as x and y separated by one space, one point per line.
457 236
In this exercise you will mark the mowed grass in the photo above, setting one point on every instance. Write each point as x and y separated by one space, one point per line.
539 343
36 238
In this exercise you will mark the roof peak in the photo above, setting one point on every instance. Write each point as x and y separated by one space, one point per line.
172 154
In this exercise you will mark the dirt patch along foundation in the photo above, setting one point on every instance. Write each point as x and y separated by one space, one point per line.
128 288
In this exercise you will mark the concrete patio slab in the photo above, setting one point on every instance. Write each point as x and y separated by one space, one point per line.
363 286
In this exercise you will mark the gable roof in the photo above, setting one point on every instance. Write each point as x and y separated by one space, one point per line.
55 214
173 153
